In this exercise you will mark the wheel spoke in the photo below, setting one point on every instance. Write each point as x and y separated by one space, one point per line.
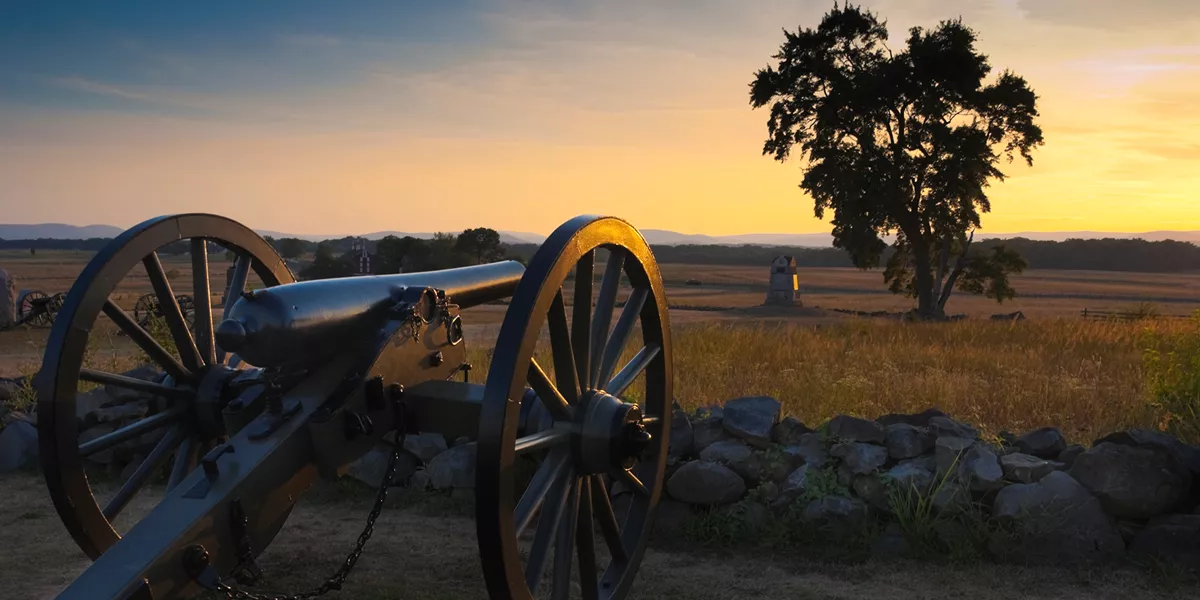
609 528
585 541
621 333
542 440
184 457
143 472
564 547
202 290
605 301
630 480
129 383
552 470
624 378
546 528
565 372
132 430
140 337
551 398
169 306
237 285
581 318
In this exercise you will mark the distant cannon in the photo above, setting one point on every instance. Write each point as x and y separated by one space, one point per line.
148 308
37 309
298 379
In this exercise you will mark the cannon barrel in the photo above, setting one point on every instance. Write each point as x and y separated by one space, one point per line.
309 321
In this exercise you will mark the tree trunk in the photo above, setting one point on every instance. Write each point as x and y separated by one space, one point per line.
927 300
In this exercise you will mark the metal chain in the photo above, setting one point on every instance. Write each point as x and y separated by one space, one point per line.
335 581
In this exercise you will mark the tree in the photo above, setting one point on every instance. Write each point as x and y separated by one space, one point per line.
326 264
901 143
291 248
394 254
481 244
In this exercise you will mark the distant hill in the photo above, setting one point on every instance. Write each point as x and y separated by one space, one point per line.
59 231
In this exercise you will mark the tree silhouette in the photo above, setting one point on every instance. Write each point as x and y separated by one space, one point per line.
481 244
899 142
291 248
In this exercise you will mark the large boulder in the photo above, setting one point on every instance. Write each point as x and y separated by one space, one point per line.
682 441
788 431
371 467
1024 468
708 429
103 457
453 469
980 470
706 483
920 419
739 457
949 452
911 476
853 429
838 516
874 490
425 446
1055 520
1069 454
18 446
1189 456
947 427
1174 539
90 401
860 458
796 483
907 441
752 418
810 451
1132 481
1047 442
122 395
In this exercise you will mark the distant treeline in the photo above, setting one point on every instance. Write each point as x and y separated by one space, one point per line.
1094 255
1099 255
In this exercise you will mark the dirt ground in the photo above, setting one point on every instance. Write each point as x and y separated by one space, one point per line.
423 553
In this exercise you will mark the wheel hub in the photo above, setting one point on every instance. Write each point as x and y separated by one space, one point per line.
610 433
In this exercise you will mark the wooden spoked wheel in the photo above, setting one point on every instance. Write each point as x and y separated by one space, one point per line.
184 414
604 400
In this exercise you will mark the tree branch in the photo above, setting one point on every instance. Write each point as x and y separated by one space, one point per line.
958 269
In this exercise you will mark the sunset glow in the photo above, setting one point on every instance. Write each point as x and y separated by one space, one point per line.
517 116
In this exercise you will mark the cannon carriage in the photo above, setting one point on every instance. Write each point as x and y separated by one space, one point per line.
295 380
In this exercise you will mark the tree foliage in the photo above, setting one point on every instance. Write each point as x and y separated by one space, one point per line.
901 143
291 247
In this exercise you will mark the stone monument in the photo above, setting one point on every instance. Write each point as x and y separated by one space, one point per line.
784 287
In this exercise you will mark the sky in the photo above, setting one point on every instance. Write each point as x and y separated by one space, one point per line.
355 116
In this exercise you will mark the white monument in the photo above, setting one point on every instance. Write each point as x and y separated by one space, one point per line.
784 287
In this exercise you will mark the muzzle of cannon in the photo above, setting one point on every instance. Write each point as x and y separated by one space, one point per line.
296 380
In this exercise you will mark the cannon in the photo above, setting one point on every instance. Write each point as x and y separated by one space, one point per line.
295 380
148 308
37 309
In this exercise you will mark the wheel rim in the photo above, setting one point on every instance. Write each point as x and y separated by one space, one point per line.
586 433
198 363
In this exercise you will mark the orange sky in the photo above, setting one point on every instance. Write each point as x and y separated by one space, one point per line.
616 108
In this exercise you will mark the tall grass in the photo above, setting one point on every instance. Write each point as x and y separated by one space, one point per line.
1087 377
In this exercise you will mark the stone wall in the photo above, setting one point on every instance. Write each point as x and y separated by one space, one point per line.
904 482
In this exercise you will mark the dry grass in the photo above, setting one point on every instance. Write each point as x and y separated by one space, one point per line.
1086 377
